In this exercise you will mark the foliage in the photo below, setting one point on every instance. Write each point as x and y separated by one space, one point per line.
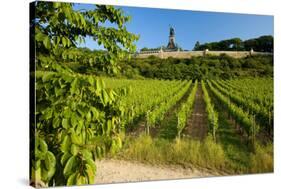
257 103
74 111
245 119
212 114
157 114
186 109
260 44
198 68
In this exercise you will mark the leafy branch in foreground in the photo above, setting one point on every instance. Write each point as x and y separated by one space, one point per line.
78 119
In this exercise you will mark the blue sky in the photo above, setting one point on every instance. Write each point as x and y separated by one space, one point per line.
190 26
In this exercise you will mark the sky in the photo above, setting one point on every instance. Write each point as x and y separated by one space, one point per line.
190 26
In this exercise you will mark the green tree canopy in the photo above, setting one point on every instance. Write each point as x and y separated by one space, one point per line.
58 28
260 44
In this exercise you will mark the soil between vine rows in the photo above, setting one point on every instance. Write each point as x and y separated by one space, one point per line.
197 126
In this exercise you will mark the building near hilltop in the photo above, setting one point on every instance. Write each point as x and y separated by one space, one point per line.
172 45
172 39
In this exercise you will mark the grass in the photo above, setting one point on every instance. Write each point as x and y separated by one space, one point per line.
234 146
183 152
187 152
262 160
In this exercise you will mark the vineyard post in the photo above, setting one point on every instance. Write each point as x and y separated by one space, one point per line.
179 129
214 129
147 123
269 121
147 127
253 131
228 104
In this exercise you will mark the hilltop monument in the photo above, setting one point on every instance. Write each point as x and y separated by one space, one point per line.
172 41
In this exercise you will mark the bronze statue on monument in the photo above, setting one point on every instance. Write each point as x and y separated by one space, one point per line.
172 45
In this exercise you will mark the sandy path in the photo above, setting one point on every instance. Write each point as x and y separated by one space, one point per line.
114 171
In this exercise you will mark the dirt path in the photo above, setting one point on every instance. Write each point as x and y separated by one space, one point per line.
116 171
197 125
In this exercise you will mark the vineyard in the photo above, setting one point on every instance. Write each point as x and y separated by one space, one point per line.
240 109
248 102
234 122
87 106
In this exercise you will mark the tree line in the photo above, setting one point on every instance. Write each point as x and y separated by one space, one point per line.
205 67
260 44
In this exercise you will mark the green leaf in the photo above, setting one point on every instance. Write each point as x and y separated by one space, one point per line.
42 145
74 149
90 174
50 160
68 42
81 180
88 116
47 77
79 126
73 121
95 113
66 144
98 85
70 166
65 123
87 154
73 86
124 39
76 139
40 36
65 157
71 179
91 80
47 42
56 122
47 174
37 164
105 96
64 41
91 163
48 113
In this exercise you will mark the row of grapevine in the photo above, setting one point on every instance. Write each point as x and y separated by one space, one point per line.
212 114
262 114
156 114
185 110
245 120
143 95
259 90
